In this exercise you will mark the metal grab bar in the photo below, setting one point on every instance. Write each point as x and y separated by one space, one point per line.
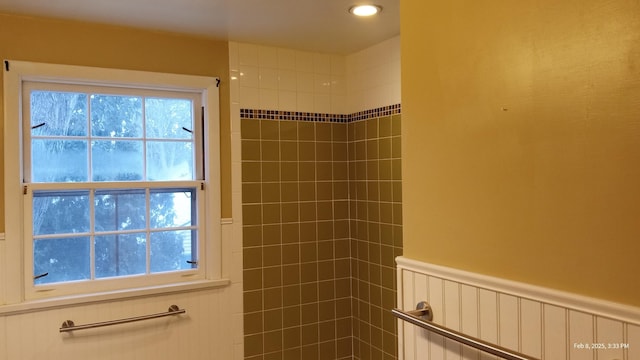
423 309
69 326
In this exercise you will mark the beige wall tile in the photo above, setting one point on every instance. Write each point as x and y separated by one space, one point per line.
289 151
307 171
290 212
290 233
288 130
252 235
271 234
251 171
323 131
289 171
250 129
306 131
269 130
289 191
307 151
270 171
251 150
252 301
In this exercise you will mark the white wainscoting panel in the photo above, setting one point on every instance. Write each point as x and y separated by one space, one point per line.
633 337
452 318
3 339
199 334
531 327
555 332
210 329
469 317
543 323
580 330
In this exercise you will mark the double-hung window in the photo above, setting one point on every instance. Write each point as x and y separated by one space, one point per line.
113 180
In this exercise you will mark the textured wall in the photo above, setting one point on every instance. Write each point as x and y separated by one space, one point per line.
520 141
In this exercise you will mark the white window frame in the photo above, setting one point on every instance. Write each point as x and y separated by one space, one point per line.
17 242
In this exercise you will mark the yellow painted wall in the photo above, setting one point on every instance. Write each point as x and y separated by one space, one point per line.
77 43
546 191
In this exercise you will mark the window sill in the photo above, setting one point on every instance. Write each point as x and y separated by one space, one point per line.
67 301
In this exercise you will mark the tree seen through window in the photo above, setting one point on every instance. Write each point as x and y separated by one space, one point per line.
94 231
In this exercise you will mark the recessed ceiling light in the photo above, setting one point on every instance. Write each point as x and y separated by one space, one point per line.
365 10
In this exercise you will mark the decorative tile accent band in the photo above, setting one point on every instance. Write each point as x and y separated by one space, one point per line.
319 117
374 113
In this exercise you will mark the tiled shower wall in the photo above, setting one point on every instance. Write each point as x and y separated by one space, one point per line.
296 239
321 227
375 194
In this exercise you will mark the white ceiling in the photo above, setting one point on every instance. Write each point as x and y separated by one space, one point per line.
313 25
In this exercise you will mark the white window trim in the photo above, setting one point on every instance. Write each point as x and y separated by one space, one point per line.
15 73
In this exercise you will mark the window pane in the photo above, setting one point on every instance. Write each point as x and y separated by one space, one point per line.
64 259
120 255
169 118
60 212
58 113
169 160
170 250
116 160
58 160
117 210
171 208
116 116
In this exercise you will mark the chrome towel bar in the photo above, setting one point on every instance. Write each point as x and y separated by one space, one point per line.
69 326
422 317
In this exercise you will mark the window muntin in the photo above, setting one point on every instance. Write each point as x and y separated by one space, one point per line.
91 136
19 289
116 183
125 236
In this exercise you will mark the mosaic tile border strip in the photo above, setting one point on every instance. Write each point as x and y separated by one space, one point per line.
319 117
377 112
